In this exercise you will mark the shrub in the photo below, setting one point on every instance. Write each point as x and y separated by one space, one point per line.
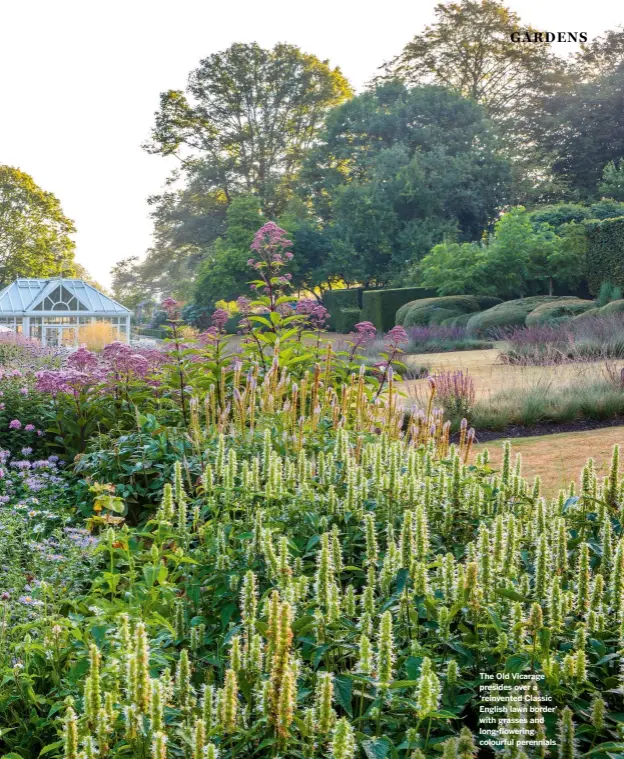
96 335
614 307
435 310
558 311
456 321
455 391
507 314
605 251
335 300
607 293
380 306
346 319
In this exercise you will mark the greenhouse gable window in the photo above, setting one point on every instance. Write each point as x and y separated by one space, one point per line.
55 310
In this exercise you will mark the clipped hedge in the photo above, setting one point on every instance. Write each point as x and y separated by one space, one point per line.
436 310
346 319
336 300
160 334
557 311
586 314
380 306
457 321
615 307
511 313
605 252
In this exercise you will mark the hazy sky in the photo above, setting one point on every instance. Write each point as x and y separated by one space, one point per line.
80 82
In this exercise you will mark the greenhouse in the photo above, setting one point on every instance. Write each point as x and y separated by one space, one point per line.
55 311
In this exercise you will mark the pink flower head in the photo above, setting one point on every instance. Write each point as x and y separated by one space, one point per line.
82 360
219 319
23 391
315 312
397 336
171 307
15 424
29 428
242 304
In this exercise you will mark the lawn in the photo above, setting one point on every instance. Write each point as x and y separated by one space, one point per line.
559 458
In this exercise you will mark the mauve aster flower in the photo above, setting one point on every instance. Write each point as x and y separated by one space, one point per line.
29 428
15 424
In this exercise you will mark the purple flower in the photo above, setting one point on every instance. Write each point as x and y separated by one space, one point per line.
24 390
82 360
26 451
397 336
219 318
29 427
315 312
365 333
171 307
15 424
29 601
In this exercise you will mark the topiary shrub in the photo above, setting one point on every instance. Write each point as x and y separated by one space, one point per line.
380 306
551 313
586 314
436 310
605 252
511 313
335 300
487 301
346 320
615 307
457 321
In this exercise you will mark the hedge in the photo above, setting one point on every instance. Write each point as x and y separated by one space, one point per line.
512 313
605 252
335 300
346 319
160 334
557 311
615 307
380 306
436 310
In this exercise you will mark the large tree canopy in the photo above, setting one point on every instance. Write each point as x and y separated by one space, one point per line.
584 131
468 49
248 117
396 171
34 232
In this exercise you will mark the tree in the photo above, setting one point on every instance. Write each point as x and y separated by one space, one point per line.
584 130
612 183
469 50
396 172
247 119
128 287
34 232
456 269
224 273
600 56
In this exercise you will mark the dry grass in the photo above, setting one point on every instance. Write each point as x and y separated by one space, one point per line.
490 376
97 334
559 458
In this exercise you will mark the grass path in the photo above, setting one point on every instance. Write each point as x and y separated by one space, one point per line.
559 458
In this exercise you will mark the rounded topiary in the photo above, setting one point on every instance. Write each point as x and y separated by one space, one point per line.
557 311
402 312
487 301
511 313
457 321
615 307
586 314
436 310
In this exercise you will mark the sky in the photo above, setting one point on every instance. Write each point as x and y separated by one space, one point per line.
80 82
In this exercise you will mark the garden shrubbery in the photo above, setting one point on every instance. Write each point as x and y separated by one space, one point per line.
308 570
507 314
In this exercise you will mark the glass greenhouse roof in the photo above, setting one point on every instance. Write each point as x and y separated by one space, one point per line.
35 296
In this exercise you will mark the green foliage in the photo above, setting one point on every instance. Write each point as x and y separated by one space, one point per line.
397 171
224 273
521 257
335 300
508 314
614 307
608 292
34 232
556 311
612 183
605 251
346 319
436 310
380 306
